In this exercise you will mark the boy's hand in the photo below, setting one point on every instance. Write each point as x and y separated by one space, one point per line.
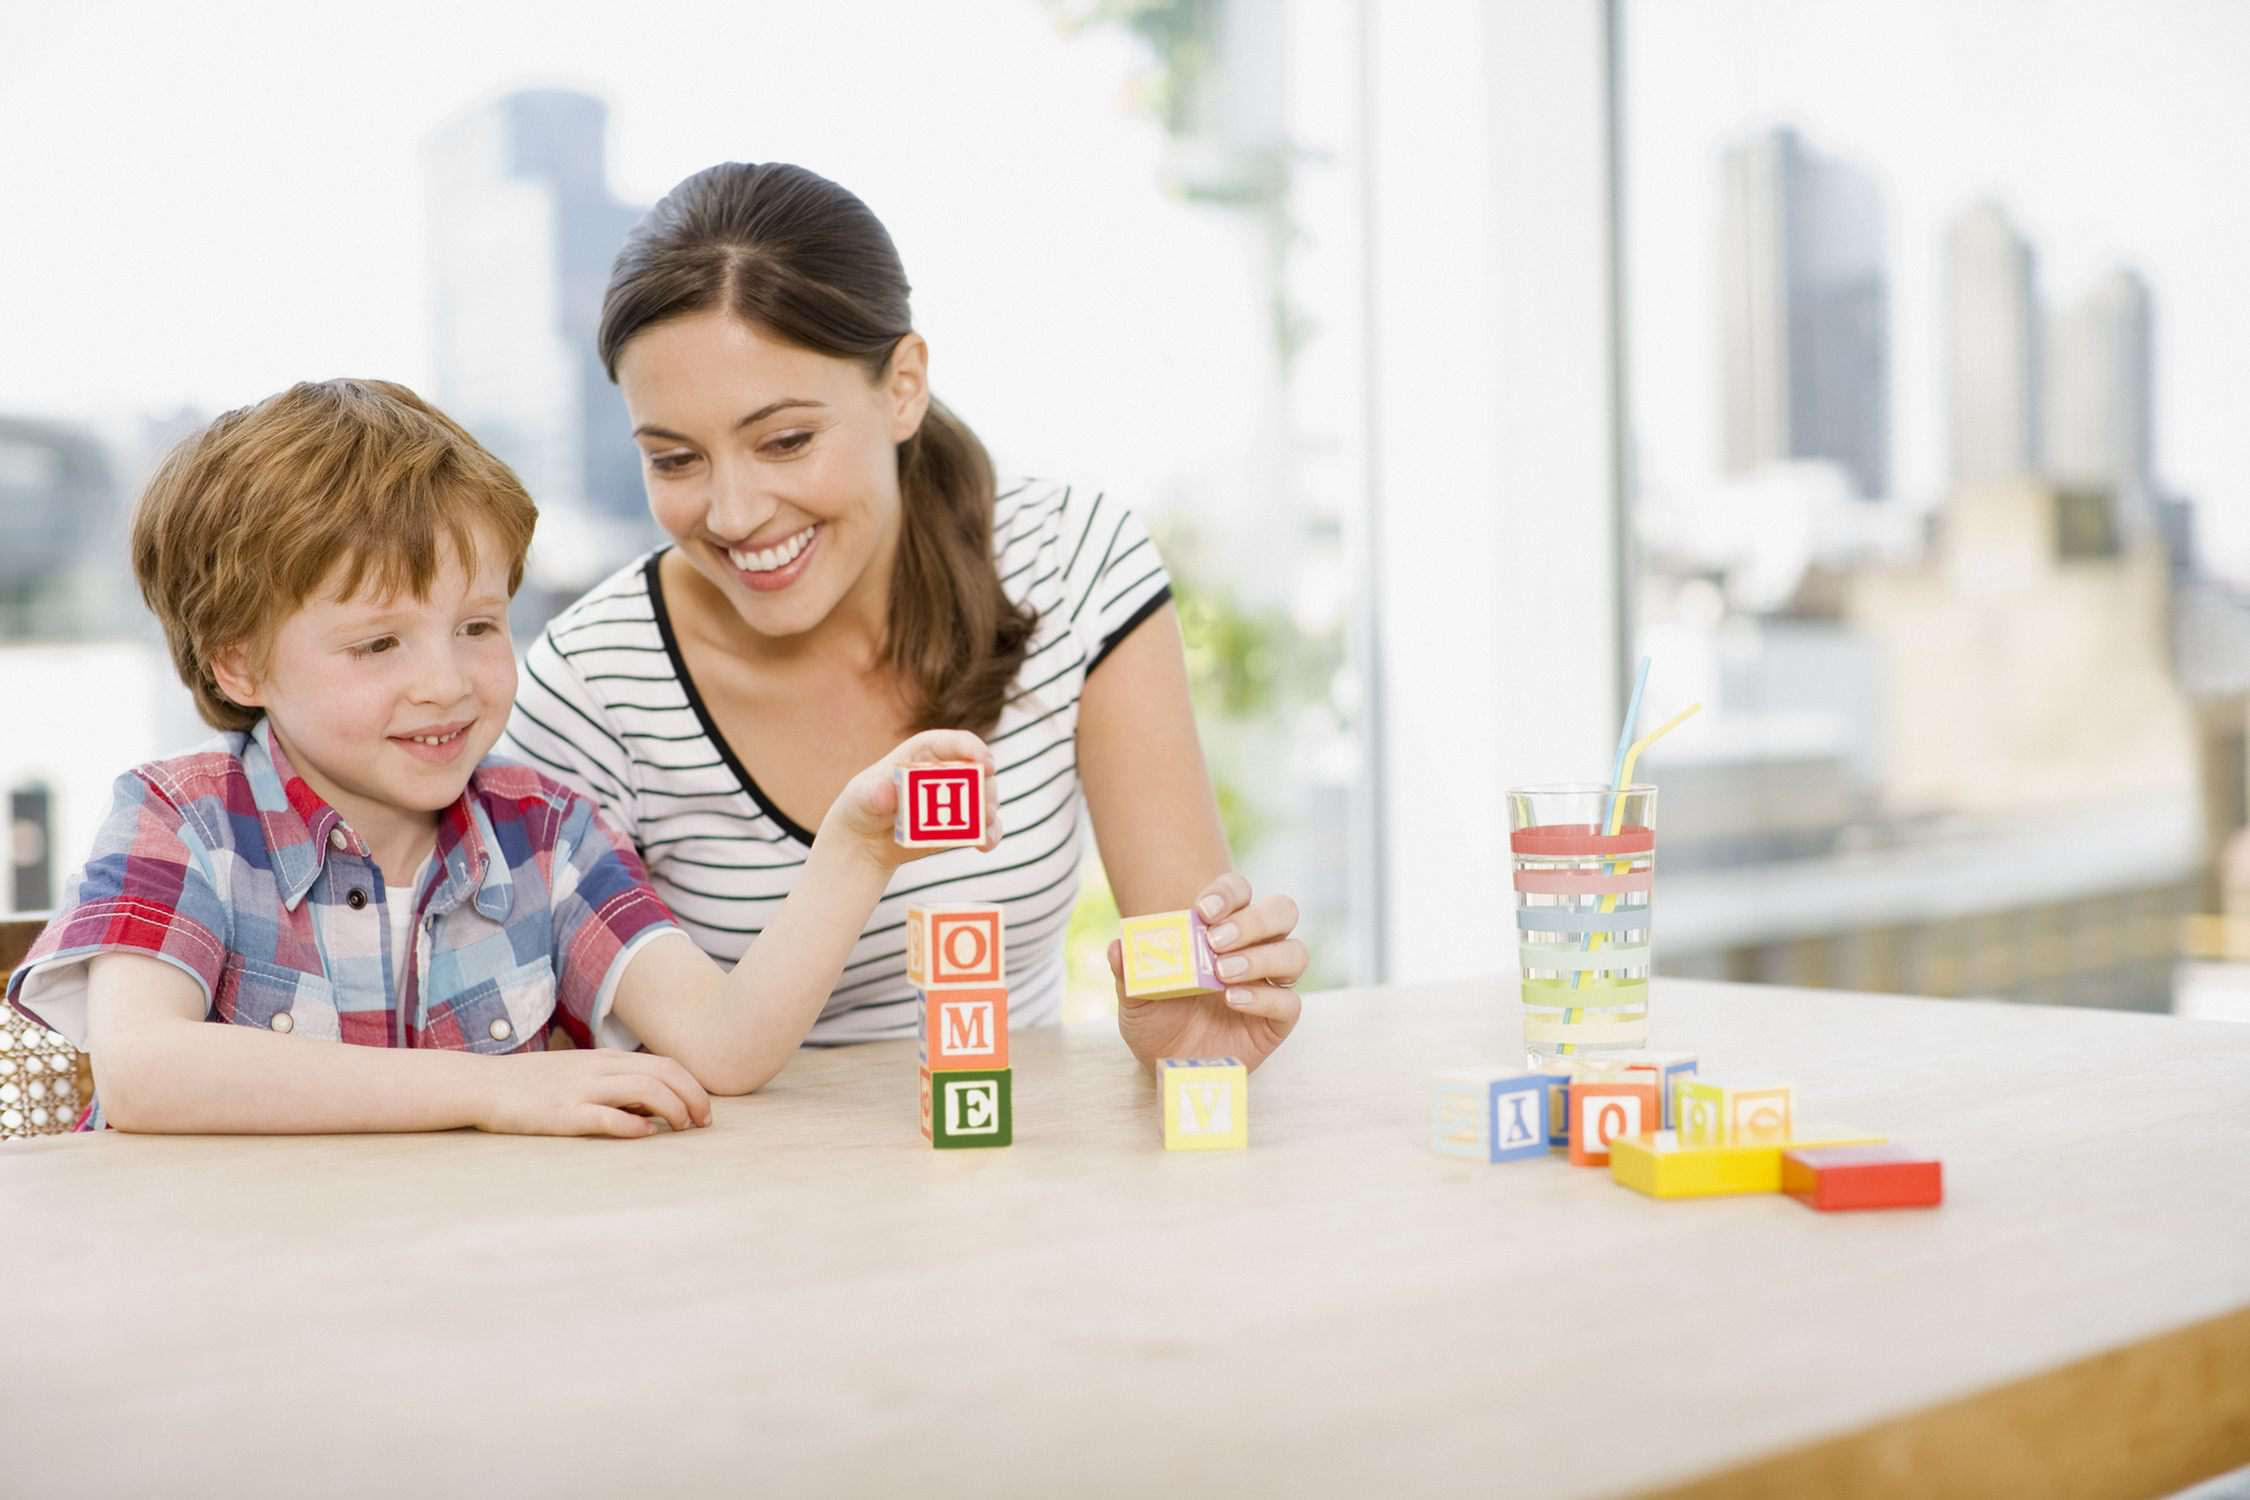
593 1092
1261 963
867 811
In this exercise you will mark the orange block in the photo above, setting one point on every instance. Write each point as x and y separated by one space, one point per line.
963 1029
1602 1111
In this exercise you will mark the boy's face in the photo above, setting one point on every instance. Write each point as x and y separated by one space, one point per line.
358 687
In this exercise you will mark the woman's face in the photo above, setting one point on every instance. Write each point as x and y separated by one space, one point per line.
775 469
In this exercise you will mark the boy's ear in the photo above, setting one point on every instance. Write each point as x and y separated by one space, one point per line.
231 670
907 382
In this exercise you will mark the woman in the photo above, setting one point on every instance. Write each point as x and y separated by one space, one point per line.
843 572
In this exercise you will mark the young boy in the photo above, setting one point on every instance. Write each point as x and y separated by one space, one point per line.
332 568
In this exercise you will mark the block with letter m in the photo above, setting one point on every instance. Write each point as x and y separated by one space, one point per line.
958 1029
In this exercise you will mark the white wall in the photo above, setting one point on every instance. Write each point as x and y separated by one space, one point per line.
1493 533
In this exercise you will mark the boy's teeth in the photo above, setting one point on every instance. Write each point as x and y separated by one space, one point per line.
766 559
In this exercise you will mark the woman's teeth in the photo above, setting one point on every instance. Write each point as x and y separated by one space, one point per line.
766 559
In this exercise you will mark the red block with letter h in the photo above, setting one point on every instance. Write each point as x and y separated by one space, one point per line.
940 806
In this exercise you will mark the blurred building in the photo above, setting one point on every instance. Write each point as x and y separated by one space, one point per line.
1804 310
2101 401
59 499
523 230
1992 348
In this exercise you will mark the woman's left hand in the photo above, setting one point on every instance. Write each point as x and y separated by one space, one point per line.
1261 963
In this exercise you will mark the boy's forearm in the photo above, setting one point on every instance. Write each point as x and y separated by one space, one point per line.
770 1001
183 1077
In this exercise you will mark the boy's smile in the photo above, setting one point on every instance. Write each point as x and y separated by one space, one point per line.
385 703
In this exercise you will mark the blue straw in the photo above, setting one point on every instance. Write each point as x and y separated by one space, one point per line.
1624 743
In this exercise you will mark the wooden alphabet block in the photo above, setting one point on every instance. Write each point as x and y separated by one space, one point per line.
1604 1110
968 1109
1206 1103
1492 1114
1723 1113
962 1029
1168 957
954 945
1663 1165
1666 1070
1841 1177
940 806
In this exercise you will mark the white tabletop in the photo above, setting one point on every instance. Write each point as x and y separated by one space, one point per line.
805 1295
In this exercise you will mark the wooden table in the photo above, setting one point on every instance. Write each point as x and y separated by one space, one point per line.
804 1296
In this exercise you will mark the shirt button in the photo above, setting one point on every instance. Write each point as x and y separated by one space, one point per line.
283 1023
336 839
501 1031
356 899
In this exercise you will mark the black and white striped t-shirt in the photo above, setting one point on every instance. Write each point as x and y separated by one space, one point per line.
607 705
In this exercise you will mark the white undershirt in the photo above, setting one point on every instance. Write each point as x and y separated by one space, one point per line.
401 899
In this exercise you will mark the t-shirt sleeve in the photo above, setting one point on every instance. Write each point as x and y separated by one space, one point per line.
604 911
1112 578
149 888
561 728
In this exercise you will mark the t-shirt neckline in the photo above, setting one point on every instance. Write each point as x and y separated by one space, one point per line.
703 719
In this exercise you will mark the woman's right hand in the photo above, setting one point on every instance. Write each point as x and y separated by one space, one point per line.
599 1091
867 811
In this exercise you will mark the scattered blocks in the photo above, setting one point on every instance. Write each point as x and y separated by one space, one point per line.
940 806
968 1109
1662 1165
954 945
1666 1070
1734 1114
962 1029
1604 1110
1863 1176
1206 1103
1168 957
1493 1114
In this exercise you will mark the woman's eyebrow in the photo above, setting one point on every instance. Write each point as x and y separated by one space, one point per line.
650 429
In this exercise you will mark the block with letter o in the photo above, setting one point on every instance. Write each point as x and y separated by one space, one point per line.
1602 1112
954 945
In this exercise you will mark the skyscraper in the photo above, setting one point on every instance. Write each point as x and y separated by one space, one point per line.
1804 312
522 233
1992 348
2100 392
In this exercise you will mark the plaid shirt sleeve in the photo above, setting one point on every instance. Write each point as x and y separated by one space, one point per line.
604 910
148 888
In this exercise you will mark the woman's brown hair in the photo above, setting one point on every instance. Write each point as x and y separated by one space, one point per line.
802 260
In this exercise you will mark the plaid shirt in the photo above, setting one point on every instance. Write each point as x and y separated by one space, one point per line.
225 864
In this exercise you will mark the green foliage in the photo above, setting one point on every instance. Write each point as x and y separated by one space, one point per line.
1177 34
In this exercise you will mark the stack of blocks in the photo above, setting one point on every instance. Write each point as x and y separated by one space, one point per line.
953 957
954 960
1205 1100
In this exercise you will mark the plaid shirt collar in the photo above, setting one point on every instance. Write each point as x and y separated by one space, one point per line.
300 827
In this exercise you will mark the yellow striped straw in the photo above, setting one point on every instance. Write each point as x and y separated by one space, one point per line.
1617 817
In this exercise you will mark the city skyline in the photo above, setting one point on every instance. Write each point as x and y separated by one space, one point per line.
2037 106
